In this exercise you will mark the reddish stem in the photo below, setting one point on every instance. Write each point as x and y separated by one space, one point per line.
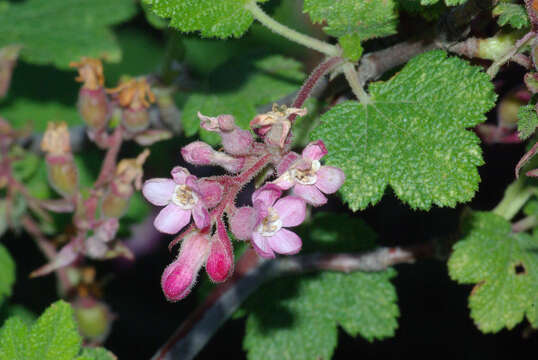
109 164
311 82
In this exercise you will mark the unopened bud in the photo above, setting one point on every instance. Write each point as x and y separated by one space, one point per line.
93 318
200 153
93 107
220 262
221 123
237 142
275 125
531 81
135 120
8 59
179 277
116 201
62 171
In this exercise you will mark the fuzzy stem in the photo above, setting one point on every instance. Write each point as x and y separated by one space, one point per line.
525 224
291 34
515 196
353 80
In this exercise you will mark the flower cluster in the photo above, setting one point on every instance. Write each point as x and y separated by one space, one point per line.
211 200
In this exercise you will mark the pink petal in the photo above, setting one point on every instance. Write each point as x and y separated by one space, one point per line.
179 174
286 162
172 219
284 181
291 209
158 191
315 150
285 242
211 192
201 216
330 179
310 194
267 194
243 223
260 244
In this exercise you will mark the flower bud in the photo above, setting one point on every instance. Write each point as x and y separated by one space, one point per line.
62 171
93 107
135 120
220 262
221 123
275 125
97 244
93 318
200 153
179 277
237 142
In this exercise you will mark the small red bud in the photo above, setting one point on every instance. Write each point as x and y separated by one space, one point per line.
220 262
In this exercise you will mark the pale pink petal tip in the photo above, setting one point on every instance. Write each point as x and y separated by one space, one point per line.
172 219
285 242
243 222
267 194
315 150
158 191
330 179
179 174
310 194
291 210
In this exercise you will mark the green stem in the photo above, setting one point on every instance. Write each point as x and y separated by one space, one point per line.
291 34
515 196
353 80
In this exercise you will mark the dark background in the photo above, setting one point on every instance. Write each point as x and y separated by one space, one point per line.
434 317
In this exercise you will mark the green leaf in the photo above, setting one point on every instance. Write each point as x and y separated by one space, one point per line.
366 19
23 112
96 354
351 46
504 267
298 317
7 273
527 121
511 14
13 339
238 87
412 135
18 311
54 336
213 18
60 31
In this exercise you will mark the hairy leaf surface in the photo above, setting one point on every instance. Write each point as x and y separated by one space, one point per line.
504 267
412 135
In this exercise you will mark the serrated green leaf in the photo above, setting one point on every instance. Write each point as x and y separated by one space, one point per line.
7 273
19 311
511 14
240 86
54 336
414 7
213 18
154 20
527 121
298 317
60 31
504 267
365 19
412 135
13 339
23 112
96 354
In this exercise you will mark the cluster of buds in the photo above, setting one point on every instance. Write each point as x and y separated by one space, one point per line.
210 201
129 103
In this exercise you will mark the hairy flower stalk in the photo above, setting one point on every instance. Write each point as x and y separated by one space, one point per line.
265 224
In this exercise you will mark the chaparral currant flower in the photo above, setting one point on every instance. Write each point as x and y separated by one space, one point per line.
265 224
308 178
182 196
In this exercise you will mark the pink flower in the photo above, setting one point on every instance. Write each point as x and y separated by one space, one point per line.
182 196
308 178
196 250
265 224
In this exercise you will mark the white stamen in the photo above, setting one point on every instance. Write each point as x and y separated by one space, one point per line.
184 197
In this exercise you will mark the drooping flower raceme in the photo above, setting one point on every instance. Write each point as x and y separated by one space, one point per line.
182 196
308 178
265 223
